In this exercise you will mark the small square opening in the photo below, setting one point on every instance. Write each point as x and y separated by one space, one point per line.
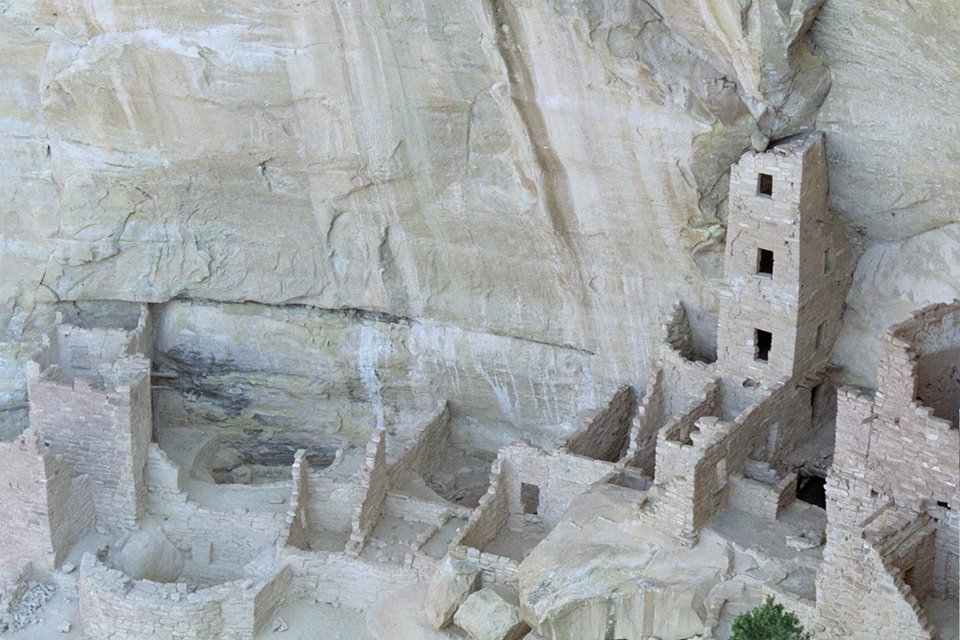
762 341
530 498
765 261
765 185
812 489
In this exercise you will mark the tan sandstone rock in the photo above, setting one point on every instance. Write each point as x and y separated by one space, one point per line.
452 583
487 616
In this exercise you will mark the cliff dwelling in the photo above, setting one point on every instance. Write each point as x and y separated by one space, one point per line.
477 321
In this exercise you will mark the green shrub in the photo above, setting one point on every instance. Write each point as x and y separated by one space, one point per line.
768 622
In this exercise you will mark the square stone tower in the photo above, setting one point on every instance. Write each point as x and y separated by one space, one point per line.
784 265
89 391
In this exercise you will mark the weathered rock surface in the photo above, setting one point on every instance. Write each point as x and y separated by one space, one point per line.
516 177
449 587
487 616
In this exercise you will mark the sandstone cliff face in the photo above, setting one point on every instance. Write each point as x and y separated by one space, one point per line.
546 176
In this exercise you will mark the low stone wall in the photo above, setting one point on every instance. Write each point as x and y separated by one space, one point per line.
760 498
693 474
342 578
331 501
378 475
675 436
115 607
495 570
558 478
215 542
417 509
604 436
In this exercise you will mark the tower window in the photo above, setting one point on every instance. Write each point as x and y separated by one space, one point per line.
819 339
765 185
762 342
827 261
765 261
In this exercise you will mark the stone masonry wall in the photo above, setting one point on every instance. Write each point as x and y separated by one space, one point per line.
893 455
675 434
693 474
46 509
330 502
495 570
860 594
116 607
425 454
336 578
373 483
559 477
216 543
490 517
297 524
924 351
760 498
100 432
605 434
642 440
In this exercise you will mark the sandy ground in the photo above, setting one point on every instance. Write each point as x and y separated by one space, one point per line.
308 620
399 617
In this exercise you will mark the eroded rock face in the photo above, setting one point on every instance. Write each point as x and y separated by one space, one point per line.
528 173
449 587
485 615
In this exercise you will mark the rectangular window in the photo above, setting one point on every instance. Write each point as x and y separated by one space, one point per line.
814 400
765 261
819 340
765 185
530 498
762 341
722 473
827 261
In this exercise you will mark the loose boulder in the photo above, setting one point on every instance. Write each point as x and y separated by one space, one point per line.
453 582
149 555
485 615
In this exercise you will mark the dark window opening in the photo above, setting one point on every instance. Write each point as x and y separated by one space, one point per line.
815 398
827 261
765 261
530 498
762 341
812 489
819 340
910 577
941 503
765 184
